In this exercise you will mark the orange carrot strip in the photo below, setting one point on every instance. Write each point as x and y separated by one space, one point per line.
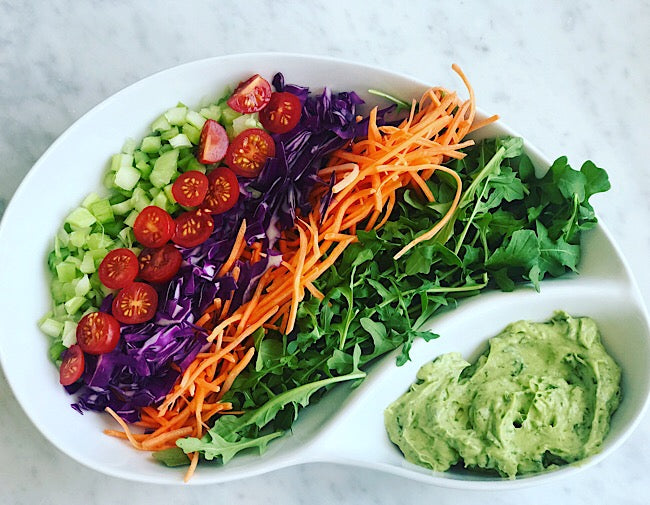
174 435
237 249
125 427
296 282
237 369
194 461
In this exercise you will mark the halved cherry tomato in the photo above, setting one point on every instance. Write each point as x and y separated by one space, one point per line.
248 152
282 114
213 143
153 227
118 268
136 303
223 191
159 265
190 188
72 366
98 333
193 228
250 95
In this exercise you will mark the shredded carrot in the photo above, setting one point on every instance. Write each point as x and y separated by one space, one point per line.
366 175
237 249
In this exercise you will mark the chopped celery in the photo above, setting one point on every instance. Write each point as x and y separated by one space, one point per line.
95 283
228 115
78 237
164 169
63 252
184 158
129 146
125 160
59 310
243 122
73 260
193 164
164 148
122 208
176 115
151 144
130 219
127 177
145 168
139 156
211 112
52 261
83 286
69 336
68 293
56 349
195 119
63 237
180 140
98 256
110 229
99 241
160 124
65 271
56 289
139 200
192 133
87 263
90 199
160 200
74 304
168 193
127 237
51 327
80 218
102 210
116 162
171 133
109 180
117 198
57 247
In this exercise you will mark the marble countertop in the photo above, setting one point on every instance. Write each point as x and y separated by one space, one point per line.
574 78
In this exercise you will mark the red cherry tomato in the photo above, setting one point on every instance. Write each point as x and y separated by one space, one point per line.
98 333
159 265
193 228
136 303
72 366
118 268
250 95
190 188
282 114
213 143
248 152
223 191
153 227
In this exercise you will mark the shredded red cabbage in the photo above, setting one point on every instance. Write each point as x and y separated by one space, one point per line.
139 371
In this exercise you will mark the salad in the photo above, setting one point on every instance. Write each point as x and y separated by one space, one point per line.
251 254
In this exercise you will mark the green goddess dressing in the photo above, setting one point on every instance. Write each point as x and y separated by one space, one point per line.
541 396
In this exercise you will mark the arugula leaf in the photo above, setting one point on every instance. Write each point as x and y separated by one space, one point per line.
217 446
510 228
174 456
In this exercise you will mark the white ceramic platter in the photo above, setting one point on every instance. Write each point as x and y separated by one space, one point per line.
347 425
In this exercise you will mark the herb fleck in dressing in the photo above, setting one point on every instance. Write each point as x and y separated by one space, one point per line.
542 395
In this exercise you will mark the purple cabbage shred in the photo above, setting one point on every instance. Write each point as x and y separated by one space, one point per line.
139 371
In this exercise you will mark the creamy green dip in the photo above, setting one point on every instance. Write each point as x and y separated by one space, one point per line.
541 396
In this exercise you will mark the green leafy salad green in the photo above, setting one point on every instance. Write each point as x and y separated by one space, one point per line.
510 228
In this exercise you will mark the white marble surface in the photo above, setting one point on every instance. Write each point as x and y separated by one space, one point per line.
573 77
